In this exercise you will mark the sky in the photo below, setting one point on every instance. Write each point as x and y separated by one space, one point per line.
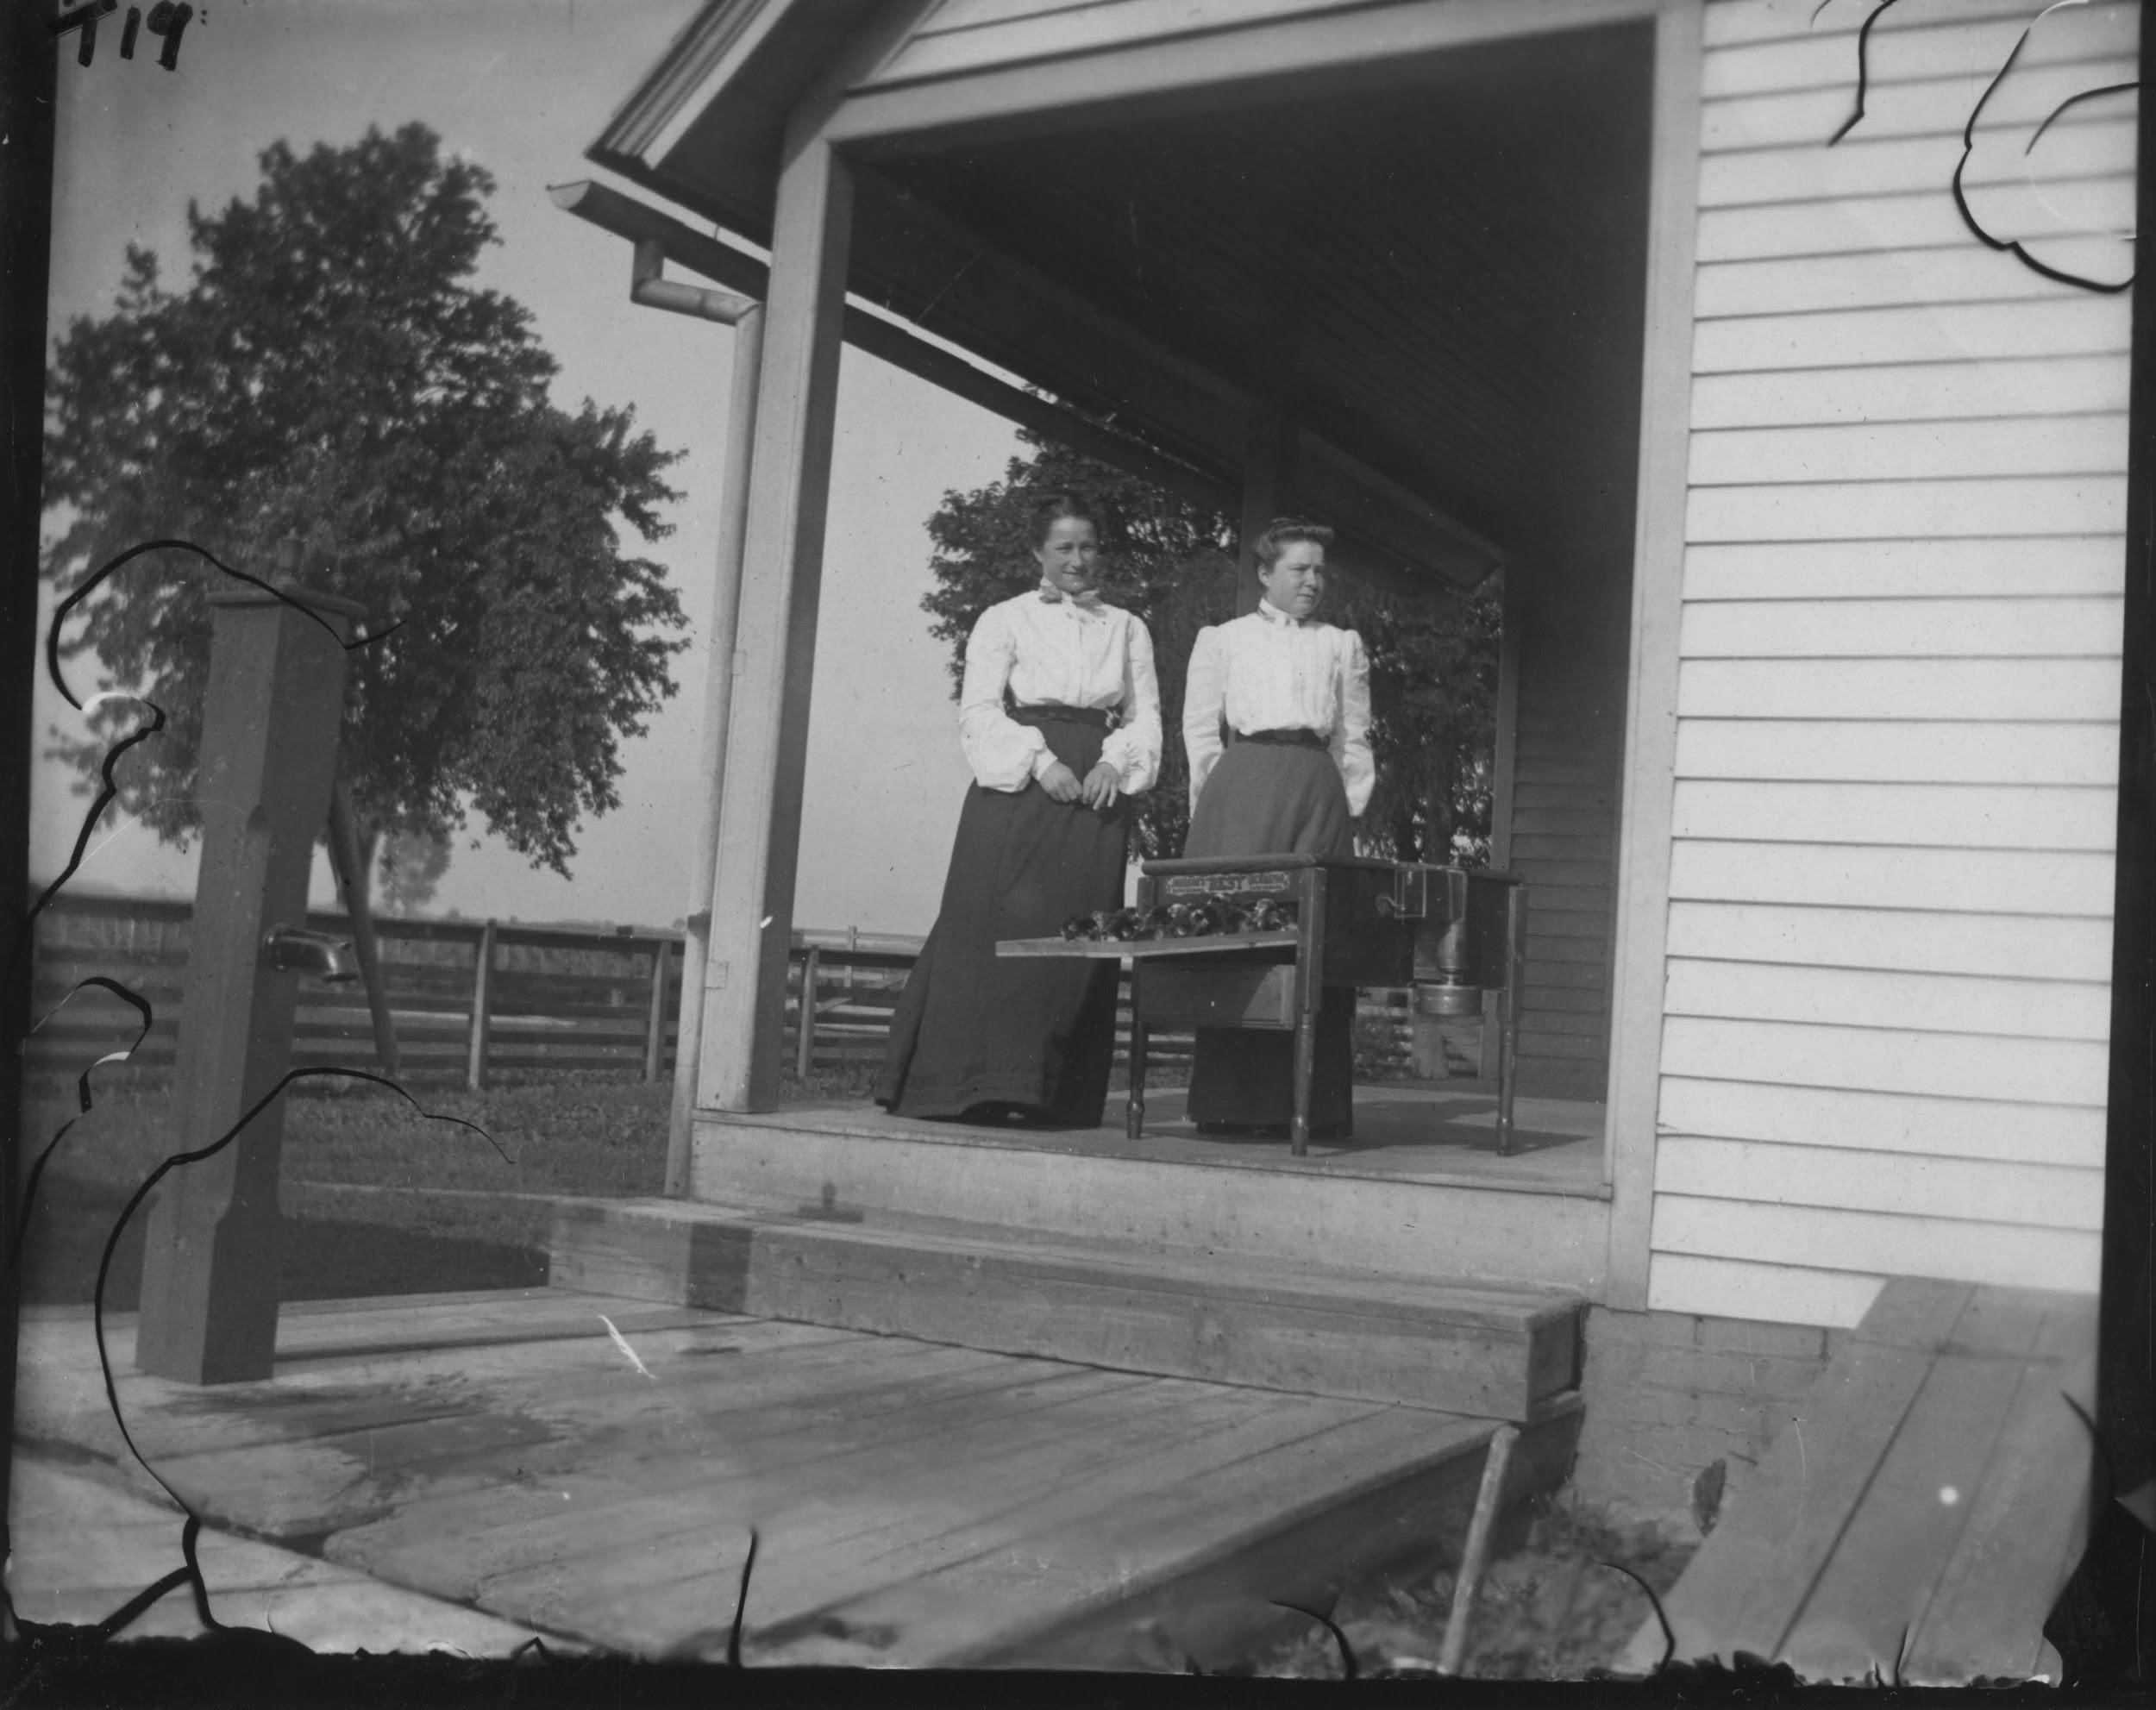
522 87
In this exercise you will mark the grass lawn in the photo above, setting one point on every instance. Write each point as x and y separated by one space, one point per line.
1548 1609
378 1198
360 1180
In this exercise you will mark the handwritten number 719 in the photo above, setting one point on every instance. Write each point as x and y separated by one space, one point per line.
166 19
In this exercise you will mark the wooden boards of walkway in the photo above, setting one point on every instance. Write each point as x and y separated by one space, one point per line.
1928 1505
916 1504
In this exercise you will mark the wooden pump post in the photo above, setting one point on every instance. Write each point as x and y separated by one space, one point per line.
269 745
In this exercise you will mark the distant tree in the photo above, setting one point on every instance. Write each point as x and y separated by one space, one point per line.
412 865
1434 663
330 371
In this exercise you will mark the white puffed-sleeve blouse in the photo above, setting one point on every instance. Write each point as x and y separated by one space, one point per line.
1067 654
1267 670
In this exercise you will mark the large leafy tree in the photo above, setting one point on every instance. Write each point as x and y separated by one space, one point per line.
331 372
1433 662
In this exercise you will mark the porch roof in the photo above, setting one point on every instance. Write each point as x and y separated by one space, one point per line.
1404 263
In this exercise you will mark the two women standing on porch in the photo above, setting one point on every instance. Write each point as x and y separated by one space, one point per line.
1059 717
1277 717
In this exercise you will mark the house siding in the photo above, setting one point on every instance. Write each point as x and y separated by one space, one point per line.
1885 1034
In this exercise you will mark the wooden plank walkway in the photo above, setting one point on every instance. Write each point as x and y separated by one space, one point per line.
1928 1505
917 1504
84 1546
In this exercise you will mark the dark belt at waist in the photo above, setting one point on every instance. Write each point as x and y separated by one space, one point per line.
1050 712
1291 738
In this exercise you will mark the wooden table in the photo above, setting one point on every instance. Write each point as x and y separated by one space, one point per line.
1358 922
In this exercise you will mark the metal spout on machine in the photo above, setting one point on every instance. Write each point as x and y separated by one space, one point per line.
291 949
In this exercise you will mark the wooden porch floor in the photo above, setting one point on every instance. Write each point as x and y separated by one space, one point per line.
916 1504
1429 1133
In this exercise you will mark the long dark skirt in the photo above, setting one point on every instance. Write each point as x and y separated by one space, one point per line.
1262 799
973 1028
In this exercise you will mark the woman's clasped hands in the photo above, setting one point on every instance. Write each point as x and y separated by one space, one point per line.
1098 790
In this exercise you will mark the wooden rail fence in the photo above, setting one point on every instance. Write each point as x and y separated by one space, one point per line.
479 1001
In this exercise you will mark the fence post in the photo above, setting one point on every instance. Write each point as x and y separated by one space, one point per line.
804 1035
655 1028
482 1000
354 880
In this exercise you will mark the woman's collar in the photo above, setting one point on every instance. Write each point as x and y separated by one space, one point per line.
1052 595
1273 615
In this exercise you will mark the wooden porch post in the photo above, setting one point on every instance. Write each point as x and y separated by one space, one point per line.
1269 486
270 716
733 520
766 747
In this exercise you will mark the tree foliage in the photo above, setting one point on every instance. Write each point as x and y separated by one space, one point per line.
1433 662
412 869
330 371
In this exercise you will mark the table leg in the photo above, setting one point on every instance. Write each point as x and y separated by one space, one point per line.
1306 1070
1508 1010
1135 1121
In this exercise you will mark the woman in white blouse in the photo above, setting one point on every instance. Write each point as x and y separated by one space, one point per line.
1276 718
1059 718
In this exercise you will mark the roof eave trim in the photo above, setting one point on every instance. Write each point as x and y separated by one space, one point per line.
692 74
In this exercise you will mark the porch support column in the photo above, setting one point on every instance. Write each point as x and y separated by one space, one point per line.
718 700
767 746
1268 486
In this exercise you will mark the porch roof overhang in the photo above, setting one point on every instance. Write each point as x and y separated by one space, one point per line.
1172 346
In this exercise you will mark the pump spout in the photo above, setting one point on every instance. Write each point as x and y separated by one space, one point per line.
296 949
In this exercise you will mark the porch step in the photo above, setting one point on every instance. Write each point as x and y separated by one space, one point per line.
1490 1352
1539 1220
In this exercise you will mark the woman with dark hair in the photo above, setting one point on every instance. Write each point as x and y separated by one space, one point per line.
1059 717
1277 717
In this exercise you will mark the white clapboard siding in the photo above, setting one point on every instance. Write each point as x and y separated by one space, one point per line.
1832 511
1731 1288
1740 23
1930 107
2081 325
2031 948
2003 1001
1866 165
2040 691
1875 1243
1959 1188
1953 881
1887 1060
1916 629
1917 220
1945 35
1936 816
1886 753
1911 391
2068 1136
2028 445
2027 568
1891 278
